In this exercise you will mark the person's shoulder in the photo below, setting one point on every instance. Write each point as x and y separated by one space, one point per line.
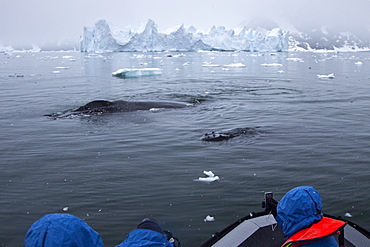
145 237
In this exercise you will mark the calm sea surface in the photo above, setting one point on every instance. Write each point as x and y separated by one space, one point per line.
113 170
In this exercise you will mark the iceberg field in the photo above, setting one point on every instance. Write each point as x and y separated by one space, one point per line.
104 37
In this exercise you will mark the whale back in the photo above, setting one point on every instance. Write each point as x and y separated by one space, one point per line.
228 134
104 106
96 105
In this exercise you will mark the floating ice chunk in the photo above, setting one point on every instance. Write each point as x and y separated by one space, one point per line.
65 209
358 63
209 218
126 73
236 65
348 215
209 173
210 177
61 67
329 76
295 59
271 64
180 55
210 65
55 72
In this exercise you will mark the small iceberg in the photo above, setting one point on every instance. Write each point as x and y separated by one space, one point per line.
210 65
295 59
330 76
235 65
209 173
271 64
348 215
128 73
210 177
209 218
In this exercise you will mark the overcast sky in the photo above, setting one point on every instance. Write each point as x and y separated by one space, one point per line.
37 21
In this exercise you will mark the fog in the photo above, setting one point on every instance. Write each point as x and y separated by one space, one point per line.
43 22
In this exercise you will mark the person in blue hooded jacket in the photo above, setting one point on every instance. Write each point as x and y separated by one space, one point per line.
149 233
62 230
65 230
299 214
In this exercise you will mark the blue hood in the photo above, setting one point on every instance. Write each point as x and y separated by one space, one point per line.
145 237
298 209
62 230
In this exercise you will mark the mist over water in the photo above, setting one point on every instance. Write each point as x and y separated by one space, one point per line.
113 170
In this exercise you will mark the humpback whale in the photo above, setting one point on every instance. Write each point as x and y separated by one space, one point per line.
227 134
104 106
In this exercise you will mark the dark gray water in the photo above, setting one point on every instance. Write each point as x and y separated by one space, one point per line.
115 169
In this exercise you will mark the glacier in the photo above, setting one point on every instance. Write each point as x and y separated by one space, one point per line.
104 37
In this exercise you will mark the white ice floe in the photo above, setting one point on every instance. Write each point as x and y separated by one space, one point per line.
295 59
210 177
55 72
209 173
209 218
348 215
271 64
358 63
65 209
235 65
125 73
210 65
329 76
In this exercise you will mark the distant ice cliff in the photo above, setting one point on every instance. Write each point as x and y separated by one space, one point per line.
103 37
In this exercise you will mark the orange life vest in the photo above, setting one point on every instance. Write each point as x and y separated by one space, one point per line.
320 230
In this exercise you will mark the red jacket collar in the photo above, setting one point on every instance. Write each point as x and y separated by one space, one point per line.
322 229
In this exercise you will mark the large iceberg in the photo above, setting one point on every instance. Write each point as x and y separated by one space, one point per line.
104 37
